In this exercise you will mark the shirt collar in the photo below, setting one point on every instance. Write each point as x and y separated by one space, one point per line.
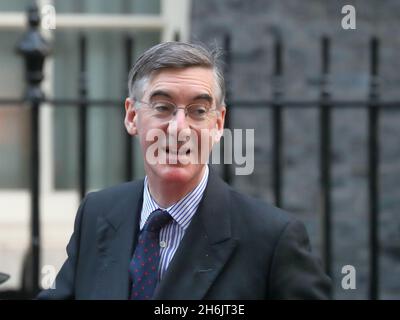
181 211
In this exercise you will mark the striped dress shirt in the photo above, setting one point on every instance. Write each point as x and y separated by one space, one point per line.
181 212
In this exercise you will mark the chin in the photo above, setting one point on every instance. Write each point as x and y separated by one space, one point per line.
176 173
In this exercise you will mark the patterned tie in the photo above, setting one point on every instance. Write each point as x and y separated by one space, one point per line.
144 265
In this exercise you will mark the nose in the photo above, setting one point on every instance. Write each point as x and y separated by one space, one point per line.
178 124
179 118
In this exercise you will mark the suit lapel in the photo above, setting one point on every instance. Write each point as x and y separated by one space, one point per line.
117 233
205 248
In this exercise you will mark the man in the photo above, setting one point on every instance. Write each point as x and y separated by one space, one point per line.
182 233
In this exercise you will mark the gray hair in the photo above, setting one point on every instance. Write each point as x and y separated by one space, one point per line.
174 55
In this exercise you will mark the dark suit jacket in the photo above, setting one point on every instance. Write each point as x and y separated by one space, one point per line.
236 247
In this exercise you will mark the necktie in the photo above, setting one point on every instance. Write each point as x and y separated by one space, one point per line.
146 258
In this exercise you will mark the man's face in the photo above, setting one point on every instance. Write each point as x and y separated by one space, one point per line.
187 142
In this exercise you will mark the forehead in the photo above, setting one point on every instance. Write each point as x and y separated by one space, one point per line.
178 81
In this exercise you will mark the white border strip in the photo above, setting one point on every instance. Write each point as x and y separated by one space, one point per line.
90 21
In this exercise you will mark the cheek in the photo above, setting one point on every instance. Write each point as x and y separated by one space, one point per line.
138 122
146 138
151 136
143 128
206 138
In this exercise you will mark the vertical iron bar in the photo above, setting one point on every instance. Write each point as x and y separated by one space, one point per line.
82 117
277 126
129 43
34 49
227 175
373 169
325 159
35 193
177 36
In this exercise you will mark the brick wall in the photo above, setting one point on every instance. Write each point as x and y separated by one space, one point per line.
301 24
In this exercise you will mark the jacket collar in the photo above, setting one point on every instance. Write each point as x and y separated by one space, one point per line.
117 233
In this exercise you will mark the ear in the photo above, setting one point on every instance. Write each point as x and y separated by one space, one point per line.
220 123
130 117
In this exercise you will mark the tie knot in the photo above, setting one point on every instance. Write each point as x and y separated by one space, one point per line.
157 219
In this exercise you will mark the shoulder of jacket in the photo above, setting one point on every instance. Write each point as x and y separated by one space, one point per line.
258 213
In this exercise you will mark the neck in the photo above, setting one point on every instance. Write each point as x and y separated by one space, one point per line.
168 193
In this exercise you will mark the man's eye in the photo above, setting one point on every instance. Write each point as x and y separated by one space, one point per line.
198 110
162 108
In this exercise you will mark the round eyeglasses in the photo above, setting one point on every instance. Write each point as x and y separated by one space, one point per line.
165 110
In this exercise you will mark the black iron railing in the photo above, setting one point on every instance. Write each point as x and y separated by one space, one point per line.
35 49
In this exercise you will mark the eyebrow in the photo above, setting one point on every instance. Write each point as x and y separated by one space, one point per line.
204 96
162 93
